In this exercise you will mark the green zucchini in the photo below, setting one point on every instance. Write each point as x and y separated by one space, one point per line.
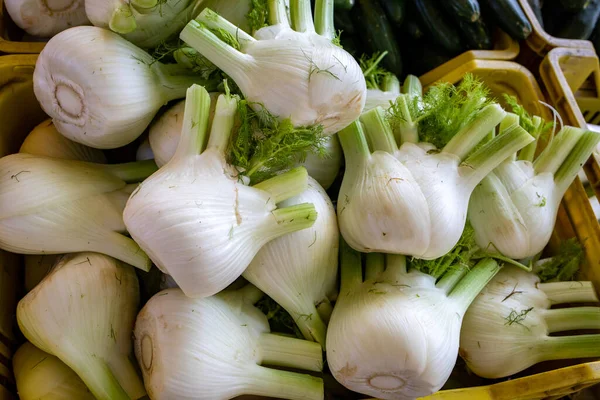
436 27
343 22
476 34
536 6
394 9
343 4
595 37
377 33
554 16
413 29
510 17
463 10
581 24
425 56
573 5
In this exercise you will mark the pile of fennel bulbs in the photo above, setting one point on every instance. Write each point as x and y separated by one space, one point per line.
268 157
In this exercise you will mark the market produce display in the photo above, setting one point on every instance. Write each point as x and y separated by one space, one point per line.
287 214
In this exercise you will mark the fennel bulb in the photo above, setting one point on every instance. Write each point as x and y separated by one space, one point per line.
211 349
325 166
45 140
196 219
165 130
83 313
293 71
41 376
413 199
145 23
299 270
395 335
46 18
506 329
53 206
514 208
100 90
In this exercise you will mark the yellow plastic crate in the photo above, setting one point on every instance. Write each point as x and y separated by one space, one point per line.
540 43
11 35
19 113
505 48
571 80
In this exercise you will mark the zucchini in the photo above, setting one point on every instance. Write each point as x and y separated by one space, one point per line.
581 24
425 56
595 37
510 17
343 4
573 5
476 34
436 27
554 16
343 22
377 33
536 6
413 29
463 10
394 9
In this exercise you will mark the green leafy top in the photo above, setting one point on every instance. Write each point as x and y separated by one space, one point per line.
258 16
442 111
460 256
526 120
564 265
372 71
448 108
279 319
262 145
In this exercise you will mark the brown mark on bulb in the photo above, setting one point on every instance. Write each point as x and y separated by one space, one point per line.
236 207
386 382
347 372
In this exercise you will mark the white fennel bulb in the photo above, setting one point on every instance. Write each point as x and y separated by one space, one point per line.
299 270
100 90
395 335
507 328
325 166
46 18
83 313
37 267
514 208
212 348
196 218
41 376
293 71
45 140
413 199
165 131
53 206
144 151
145 23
